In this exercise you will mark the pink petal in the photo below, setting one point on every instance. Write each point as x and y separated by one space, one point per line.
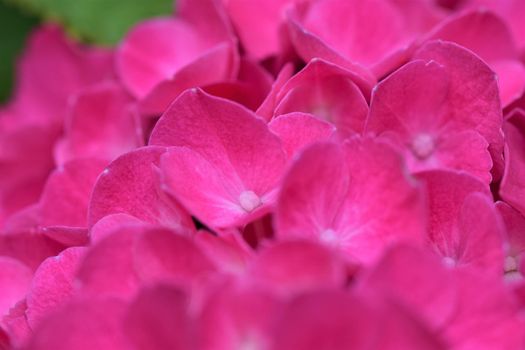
52 69
257 23
511 11
155 50
15 279
29 247
356 44
250 89
454 233
216 65
52 284
488 316
481 31
25 163
417 280
512 189
327 91
298 130
329 195
101 123
227 162
309 47
412 108
267 107
130 186
511 77
107 268
482 234
298 266
83 324
65 199
164 256
159 318
333 319
515 226
228 255
474 96
110 223
119 264
487 35
16 326
237 317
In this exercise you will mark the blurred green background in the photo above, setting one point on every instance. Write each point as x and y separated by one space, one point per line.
101 22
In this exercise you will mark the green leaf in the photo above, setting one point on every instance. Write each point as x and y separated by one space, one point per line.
99 21
17 26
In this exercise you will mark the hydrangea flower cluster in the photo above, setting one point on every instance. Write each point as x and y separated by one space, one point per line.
270 175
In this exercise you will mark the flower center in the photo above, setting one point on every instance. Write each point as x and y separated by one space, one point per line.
249 201
329 236
423 146
448 261
511 265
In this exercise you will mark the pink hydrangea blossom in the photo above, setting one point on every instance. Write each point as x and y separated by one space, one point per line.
269 175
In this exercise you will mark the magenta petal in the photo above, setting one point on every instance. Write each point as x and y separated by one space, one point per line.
65 198
130 185
488 316
487 35
434 296
333 319
354 27
227 254
456 232
101 124
512 188
250 88
52 69
143 62
475 105
327 91
511 75
215 66
238 316
298 130
511 11
52 284
257 23
88 324
309 47
15 279
413 108
29 247
312 193
161 255
227 162
481 235
298 266
25 163
134 256
159 319
481 31
515 226
329 195
267 107
107 268
15 324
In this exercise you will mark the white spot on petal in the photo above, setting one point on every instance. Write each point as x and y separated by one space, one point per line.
329 236
449 262
511 264
249 200
423 146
